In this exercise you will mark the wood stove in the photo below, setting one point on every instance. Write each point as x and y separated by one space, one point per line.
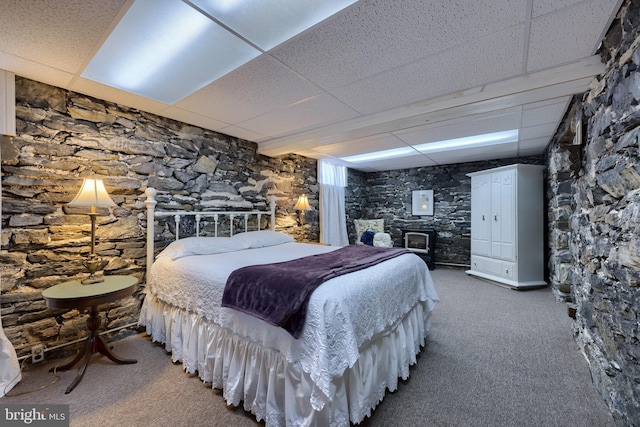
423 243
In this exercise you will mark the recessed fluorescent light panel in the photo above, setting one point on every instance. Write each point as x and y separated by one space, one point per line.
469 142
267 23
381 155
439 146
167 49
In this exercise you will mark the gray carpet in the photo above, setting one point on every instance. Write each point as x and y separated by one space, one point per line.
495 357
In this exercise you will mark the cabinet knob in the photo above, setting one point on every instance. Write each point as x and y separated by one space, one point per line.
483 217
495 218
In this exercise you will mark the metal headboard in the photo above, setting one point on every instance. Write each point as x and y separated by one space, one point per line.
152 214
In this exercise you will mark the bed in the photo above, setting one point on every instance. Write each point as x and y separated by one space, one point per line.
362 330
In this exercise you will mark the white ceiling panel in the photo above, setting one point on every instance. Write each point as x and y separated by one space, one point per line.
478 124
399 163
372 37
537 143
35 70
568 34
357 146
544 112
476 154
312 112
256 88
532 147
239 132
470 65
61 37
537 131
194 118
357 82
542 7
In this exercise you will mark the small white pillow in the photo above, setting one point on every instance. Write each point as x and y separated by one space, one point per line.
382 240
262 238
202 246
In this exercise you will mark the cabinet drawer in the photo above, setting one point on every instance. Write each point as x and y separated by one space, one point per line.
509 270
486 265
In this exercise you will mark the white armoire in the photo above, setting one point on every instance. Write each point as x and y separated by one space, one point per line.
507 229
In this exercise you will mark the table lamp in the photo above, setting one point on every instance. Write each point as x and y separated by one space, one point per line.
93 194
302 205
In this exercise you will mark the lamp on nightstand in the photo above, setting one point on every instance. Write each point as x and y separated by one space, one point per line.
93 194
302 205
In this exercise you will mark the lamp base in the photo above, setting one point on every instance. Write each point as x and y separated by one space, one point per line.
93 278
95 265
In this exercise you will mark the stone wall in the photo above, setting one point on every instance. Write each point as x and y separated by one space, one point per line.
563 165
63 136
387 195
602 238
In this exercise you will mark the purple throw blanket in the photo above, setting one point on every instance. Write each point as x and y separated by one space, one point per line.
278 293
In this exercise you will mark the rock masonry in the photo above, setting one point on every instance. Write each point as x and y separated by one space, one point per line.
64 136
594 188
387 195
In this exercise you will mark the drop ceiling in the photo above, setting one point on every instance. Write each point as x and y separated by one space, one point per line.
377 75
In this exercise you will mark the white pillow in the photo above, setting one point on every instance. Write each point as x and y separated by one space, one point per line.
202 246
382 240
262 238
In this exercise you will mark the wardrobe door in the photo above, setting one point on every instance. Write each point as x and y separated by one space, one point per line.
507 215
481 214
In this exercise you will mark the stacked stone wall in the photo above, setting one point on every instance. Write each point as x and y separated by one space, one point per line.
563 166
64 136
601 214
387 195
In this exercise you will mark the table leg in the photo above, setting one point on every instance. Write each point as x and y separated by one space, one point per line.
75 360
93 344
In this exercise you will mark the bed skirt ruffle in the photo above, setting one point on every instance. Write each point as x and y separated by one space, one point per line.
274 389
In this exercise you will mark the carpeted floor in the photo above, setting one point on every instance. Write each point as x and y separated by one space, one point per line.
494 357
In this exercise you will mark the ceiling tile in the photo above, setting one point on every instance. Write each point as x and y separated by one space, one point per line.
318 110
544 130
544 112
542 7
570 31
377 35
478 124
490 152
239 132
194 118
462 67
532 146
358 146
398 163
35 70
257 87
60 37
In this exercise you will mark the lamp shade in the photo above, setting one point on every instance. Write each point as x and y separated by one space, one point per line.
302 203
92 194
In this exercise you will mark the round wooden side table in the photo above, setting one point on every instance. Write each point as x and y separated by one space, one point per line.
73 294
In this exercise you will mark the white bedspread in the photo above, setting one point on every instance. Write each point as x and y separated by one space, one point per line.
343 313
